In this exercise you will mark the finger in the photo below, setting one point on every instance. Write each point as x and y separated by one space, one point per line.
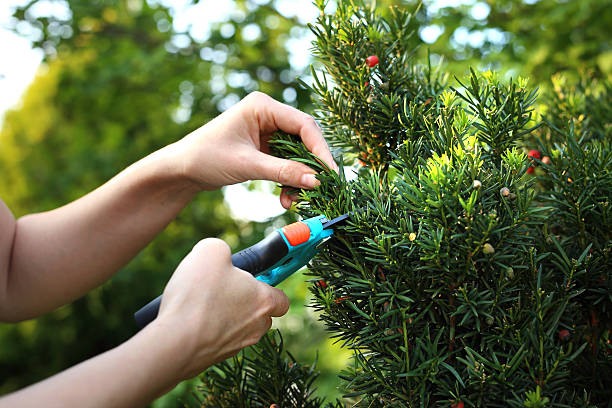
285 199
278 302
276 115
285 202
287 196
285 172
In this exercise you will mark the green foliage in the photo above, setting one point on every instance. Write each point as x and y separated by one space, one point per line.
503 112
364 101
262 376
577 186
459 277
584 104
534 400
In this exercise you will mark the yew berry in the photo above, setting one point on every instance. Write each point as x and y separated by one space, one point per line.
534 154
372 61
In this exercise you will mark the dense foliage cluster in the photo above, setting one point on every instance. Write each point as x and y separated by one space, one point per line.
261 376
462 279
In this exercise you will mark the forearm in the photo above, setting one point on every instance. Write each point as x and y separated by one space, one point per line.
130 375
59 255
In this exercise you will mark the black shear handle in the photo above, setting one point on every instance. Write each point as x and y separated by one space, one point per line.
254 259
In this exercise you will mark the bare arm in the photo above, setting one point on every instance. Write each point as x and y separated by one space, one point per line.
54 257
145 375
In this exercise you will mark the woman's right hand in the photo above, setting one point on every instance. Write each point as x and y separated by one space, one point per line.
213 309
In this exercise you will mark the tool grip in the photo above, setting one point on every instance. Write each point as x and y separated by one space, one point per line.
254 259
261 256
148 312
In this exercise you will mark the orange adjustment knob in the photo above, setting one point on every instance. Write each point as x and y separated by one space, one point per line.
296 233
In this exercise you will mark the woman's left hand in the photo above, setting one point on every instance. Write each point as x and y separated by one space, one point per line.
233 147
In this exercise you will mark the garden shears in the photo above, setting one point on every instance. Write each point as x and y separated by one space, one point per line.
274 258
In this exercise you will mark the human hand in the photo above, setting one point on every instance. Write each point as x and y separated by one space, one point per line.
233 147
213 309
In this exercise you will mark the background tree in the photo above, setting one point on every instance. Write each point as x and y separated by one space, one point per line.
531 38
119 82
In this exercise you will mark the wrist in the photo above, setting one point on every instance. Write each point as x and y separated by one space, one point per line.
188 154
176 349
167 170
161 341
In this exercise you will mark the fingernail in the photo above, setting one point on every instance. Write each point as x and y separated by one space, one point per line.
310 181
336 168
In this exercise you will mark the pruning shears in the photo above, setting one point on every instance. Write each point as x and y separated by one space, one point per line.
274 258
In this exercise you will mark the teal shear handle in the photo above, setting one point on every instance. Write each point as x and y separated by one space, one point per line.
301 239
271 260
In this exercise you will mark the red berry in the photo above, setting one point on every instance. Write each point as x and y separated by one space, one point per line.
457 405
534 154
372 61
530 170
564 335
546 160
322 284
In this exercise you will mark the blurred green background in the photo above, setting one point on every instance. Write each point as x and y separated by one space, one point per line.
122 78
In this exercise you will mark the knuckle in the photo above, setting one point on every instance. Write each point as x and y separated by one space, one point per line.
281 302
281 176
256 97
268 301
310 121
285 302
287 172
213 246
273 302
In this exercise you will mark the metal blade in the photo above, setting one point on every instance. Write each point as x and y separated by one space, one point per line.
328 223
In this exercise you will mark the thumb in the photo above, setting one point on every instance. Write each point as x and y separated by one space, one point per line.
285 172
